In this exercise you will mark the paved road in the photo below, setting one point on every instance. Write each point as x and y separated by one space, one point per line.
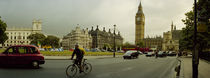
143 67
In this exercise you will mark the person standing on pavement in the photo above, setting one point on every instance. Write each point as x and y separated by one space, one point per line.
156 54
80 54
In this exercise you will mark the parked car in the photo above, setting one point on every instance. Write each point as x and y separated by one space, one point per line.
131 54
95 50
140 53
102 50
120 51
150 54
162 54
22 55
171 53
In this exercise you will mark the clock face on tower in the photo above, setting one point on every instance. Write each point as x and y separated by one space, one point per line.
138 18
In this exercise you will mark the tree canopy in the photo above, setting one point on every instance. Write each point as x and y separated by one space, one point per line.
140 44
128 45
203 38
51 41
37 38
3 35
41 39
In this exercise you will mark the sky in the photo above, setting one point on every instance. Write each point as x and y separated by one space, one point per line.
59 17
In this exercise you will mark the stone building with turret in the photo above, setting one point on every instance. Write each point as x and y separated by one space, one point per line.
171 39
94 38
18 35
105 40
153 42
77 36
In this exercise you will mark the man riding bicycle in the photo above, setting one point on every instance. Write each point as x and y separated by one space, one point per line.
80 54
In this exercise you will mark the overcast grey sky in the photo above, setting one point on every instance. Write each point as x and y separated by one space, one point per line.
61 16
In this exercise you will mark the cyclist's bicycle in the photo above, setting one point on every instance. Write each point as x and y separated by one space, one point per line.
72 69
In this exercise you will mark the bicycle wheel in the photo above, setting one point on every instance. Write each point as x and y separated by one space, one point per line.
71 70
87 68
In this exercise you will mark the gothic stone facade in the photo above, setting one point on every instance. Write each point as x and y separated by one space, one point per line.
77 36
103 39
140 21
153 42
171 39
18 35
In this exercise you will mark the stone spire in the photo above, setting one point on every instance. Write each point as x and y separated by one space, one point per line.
97 28
104 29
175 27
92 28
140 23
172 26
140 9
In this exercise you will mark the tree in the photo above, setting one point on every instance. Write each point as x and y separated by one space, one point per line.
128 45
140 44
52 41
37 38
187 32
3 35
203 38
106 46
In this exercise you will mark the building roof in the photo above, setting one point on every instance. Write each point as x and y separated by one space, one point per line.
19 29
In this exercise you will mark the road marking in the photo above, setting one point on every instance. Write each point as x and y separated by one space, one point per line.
126 69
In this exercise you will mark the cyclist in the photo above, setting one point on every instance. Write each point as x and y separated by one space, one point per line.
80 54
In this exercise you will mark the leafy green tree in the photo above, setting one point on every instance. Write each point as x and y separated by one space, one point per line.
106 46
186 42
3 35
128 45
37 38
203 38
140 44
52 41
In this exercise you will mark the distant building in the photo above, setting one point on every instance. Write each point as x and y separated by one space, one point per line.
77 36
140 22
153 42
18 35
171 39
105 40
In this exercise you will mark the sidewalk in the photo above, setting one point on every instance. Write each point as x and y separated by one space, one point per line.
186 68
86 57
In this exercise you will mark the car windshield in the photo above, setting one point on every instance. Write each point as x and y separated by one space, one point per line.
149 53
129 52
160 52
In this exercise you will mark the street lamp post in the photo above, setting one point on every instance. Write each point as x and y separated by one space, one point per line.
195 59
114 42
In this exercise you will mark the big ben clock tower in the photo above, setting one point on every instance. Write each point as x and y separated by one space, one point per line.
140 21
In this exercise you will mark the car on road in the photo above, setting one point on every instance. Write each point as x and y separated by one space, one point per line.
150 54
131 54
162 54
120 51
171 53
140 53
22 55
